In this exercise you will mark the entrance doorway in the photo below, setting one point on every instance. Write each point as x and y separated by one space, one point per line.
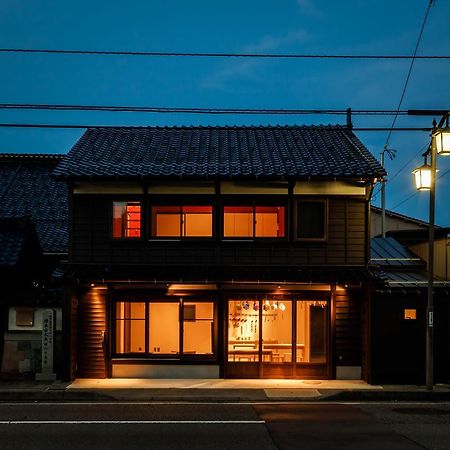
278 338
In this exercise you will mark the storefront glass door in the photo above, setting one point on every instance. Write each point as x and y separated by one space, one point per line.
278 338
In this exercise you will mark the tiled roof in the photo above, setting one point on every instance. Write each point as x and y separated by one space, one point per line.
253 151
16 234
11 245
389 253
27 189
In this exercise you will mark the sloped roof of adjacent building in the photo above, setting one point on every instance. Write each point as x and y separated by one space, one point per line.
27 189
389 253
394 266
328 151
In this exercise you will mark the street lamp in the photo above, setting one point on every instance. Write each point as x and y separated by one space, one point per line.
425 177
422 176
443 140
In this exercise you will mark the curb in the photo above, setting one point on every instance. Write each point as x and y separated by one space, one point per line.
205 395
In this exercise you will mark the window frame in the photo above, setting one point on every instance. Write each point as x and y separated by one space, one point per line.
254 203
142 215
299 199
180 203
155 358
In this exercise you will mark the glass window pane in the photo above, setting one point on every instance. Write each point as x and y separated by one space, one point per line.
197 221
277 331
310 220
238 221
270 221
312 331
166 221
198 329
243 330
130 327
164 328
126 219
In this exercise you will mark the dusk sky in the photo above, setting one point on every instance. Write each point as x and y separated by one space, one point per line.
283 26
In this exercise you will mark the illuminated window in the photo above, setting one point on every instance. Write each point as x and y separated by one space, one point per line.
198 331
311 216
130 327
410 314
161 329
254 221
126 219
182 221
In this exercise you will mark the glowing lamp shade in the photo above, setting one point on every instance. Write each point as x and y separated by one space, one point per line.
422 177
443 141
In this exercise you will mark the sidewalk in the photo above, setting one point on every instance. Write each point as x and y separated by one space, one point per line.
215 390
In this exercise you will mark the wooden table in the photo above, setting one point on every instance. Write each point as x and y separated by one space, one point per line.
300 350
252 354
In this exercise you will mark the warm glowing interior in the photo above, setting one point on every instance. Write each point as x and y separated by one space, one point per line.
249 221
186 221
164 328
161 322
276 342
126 219
130 327
198 328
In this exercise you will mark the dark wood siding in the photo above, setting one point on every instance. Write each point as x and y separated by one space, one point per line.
348 327
92 322
345 245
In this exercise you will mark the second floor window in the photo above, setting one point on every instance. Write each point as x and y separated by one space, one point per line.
182 221
254 221
126 220
311 220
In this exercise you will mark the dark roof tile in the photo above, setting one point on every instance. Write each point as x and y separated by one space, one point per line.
28 189
264 151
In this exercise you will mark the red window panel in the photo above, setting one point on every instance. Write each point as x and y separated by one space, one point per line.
126 220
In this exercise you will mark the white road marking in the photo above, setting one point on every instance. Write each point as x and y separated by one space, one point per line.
131 422
237 403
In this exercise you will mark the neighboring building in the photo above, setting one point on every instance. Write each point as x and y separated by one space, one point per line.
218 251
33 240
397 317
413 233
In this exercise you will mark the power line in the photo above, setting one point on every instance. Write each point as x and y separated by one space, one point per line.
83 126
415 193
196 110
217 55
390 179
430 4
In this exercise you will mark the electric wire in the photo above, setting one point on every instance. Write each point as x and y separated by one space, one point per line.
218 54
430 4
415 193
197 110
84 126
390 179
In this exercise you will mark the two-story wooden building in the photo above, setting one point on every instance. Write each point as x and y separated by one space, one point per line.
218 252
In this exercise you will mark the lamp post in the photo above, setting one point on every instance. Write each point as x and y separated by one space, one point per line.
425 177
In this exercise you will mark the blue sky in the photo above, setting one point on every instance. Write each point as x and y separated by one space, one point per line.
290 26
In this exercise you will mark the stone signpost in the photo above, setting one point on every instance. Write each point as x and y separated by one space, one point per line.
48 346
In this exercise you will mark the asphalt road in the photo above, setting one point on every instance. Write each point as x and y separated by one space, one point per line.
224 426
